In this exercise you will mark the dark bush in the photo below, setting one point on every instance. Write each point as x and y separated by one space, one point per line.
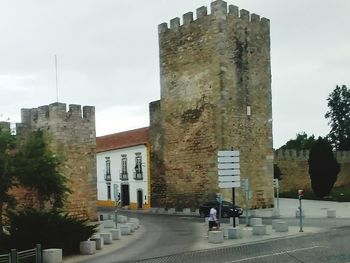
51 229
323 168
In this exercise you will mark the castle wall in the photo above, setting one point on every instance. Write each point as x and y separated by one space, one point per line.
72 137
215 94
295 169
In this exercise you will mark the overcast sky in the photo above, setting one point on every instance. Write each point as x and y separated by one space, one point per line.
108 57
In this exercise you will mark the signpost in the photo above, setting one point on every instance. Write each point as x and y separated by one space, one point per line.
116 199
301 195
248 196
277 186
229 173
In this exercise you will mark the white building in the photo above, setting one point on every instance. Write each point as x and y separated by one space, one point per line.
123 169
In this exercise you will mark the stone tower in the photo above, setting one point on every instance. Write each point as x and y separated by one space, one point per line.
72 137
215 80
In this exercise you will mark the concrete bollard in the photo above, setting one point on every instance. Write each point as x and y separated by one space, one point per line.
99 242
161 210
122 219
331 213
87 247
216 237
108 224
154 210
171 211
136 221
237 221
274 221
132 226
276 213
116 233
259 230
125 229
281 226
187 211
52 255
234 233
107 238
255 221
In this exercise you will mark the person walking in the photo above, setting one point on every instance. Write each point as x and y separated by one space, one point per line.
213 221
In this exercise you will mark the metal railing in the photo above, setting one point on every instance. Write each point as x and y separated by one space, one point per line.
5 258
23 256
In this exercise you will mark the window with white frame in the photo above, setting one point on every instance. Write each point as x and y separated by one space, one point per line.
124 165
108 169
138 175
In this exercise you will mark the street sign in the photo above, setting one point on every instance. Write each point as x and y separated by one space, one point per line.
228 169
228 153
225 166
228 159
245 184
229 184
235 178
229 172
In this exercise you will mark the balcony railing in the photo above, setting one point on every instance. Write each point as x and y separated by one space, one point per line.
123 176
108 177
138 176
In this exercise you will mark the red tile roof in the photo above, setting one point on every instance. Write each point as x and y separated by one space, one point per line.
122 139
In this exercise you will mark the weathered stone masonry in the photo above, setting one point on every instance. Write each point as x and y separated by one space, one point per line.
215 94
295 169
72 136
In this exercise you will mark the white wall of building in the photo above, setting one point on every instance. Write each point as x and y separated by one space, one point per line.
115 157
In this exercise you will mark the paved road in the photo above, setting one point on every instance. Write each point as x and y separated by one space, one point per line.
316 248
165 235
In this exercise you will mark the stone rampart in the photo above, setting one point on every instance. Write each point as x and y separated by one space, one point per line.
295 169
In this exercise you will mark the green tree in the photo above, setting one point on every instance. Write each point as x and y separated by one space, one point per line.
339 118
37 169
323 167
277 172
7 178
301 142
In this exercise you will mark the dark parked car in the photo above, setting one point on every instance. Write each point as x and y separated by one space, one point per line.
226 209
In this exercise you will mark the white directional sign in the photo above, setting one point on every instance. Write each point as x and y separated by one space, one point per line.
228 159
229 172
229 178
225 166
229 169
228 153
229 184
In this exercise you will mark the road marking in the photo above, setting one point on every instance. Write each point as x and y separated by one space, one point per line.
273 254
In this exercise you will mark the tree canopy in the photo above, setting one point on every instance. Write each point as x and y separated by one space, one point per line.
323 167
339 118
37 169
7 180
301 142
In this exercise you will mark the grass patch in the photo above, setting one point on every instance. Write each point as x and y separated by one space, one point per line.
338 194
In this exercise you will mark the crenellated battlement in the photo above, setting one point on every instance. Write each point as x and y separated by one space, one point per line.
304 155
219 10
57 111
